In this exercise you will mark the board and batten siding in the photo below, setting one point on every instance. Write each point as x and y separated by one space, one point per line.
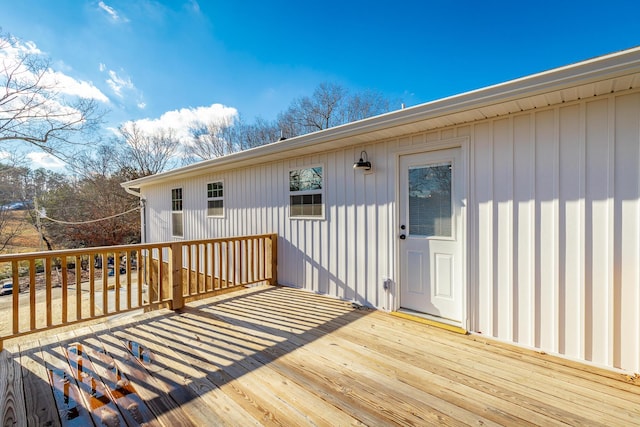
555 252
553 225
334 255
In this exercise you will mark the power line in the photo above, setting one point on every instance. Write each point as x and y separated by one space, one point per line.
85 222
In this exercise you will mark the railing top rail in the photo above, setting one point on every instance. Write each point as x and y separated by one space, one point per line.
226 239
79 251
119 248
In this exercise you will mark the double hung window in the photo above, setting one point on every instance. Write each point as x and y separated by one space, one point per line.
306 193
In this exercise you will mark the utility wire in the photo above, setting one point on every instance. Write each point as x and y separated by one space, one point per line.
85 222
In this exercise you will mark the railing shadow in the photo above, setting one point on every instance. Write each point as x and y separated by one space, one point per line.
181 358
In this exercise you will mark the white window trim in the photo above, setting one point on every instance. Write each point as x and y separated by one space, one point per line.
181 212
224 204
304 192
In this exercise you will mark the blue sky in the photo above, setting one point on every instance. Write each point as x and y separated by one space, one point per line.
180 58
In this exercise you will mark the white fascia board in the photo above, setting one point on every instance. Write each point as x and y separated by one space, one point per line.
589 71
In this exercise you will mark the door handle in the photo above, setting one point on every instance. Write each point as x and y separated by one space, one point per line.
402 237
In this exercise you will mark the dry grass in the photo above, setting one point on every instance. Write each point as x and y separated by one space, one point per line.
27 240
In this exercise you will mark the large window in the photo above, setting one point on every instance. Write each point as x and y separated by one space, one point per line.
215 199
176 212
305 193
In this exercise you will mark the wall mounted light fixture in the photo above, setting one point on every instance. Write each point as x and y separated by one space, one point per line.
363 163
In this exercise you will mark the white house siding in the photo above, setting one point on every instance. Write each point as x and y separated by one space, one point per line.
556 250
347 254
553 220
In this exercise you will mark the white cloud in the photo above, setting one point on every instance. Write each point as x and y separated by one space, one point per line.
102 67
118 83
70 86
11 58
44 160
113 14
180 121
4 155
142 105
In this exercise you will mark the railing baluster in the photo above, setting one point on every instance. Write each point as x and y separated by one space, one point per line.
48 285
105 282
92 286
78 288
116 276
139 273
199 285
128 268
250 275
32 293
160 281
15 295
205 267
244 272
149 272
64 288
219 247
234 262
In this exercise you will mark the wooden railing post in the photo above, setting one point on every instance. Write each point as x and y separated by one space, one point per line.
273 280
175 275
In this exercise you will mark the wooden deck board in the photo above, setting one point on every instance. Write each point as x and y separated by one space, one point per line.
39 403
555 382
280 356
12 401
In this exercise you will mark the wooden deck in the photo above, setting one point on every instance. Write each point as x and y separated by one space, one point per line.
280 356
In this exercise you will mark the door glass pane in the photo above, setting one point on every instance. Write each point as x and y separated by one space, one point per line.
430 200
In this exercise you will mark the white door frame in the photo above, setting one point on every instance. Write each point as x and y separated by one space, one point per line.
463 144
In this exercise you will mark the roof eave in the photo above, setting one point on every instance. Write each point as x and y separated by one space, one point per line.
593 70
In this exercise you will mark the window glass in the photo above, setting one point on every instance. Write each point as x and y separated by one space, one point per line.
305 188
176 224
176 199
215 200
430 207
305 179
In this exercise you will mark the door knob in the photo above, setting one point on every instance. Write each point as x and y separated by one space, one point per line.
402 237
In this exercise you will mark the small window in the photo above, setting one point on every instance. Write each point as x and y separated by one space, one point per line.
305 193
176 213
215 199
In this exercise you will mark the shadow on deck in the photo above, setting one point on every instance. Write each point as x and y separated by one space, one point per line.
281 356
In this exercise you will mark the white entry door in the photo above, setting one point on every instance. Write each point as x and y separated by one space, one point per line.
432 188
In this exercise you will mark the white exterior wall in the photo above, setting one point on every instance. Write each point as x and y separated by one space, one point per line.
553 224
318 254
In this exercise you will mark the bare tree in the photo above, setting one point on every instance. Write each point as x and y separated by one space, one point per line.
221 138
146 153
11 191
365 104
213 139
32 108
260 132
330 105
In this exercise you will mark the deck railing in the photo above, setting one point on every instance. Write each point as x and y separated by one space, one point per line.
60 288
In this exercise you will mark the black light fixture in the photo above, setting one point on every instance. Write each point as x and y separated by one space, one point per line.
363 163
